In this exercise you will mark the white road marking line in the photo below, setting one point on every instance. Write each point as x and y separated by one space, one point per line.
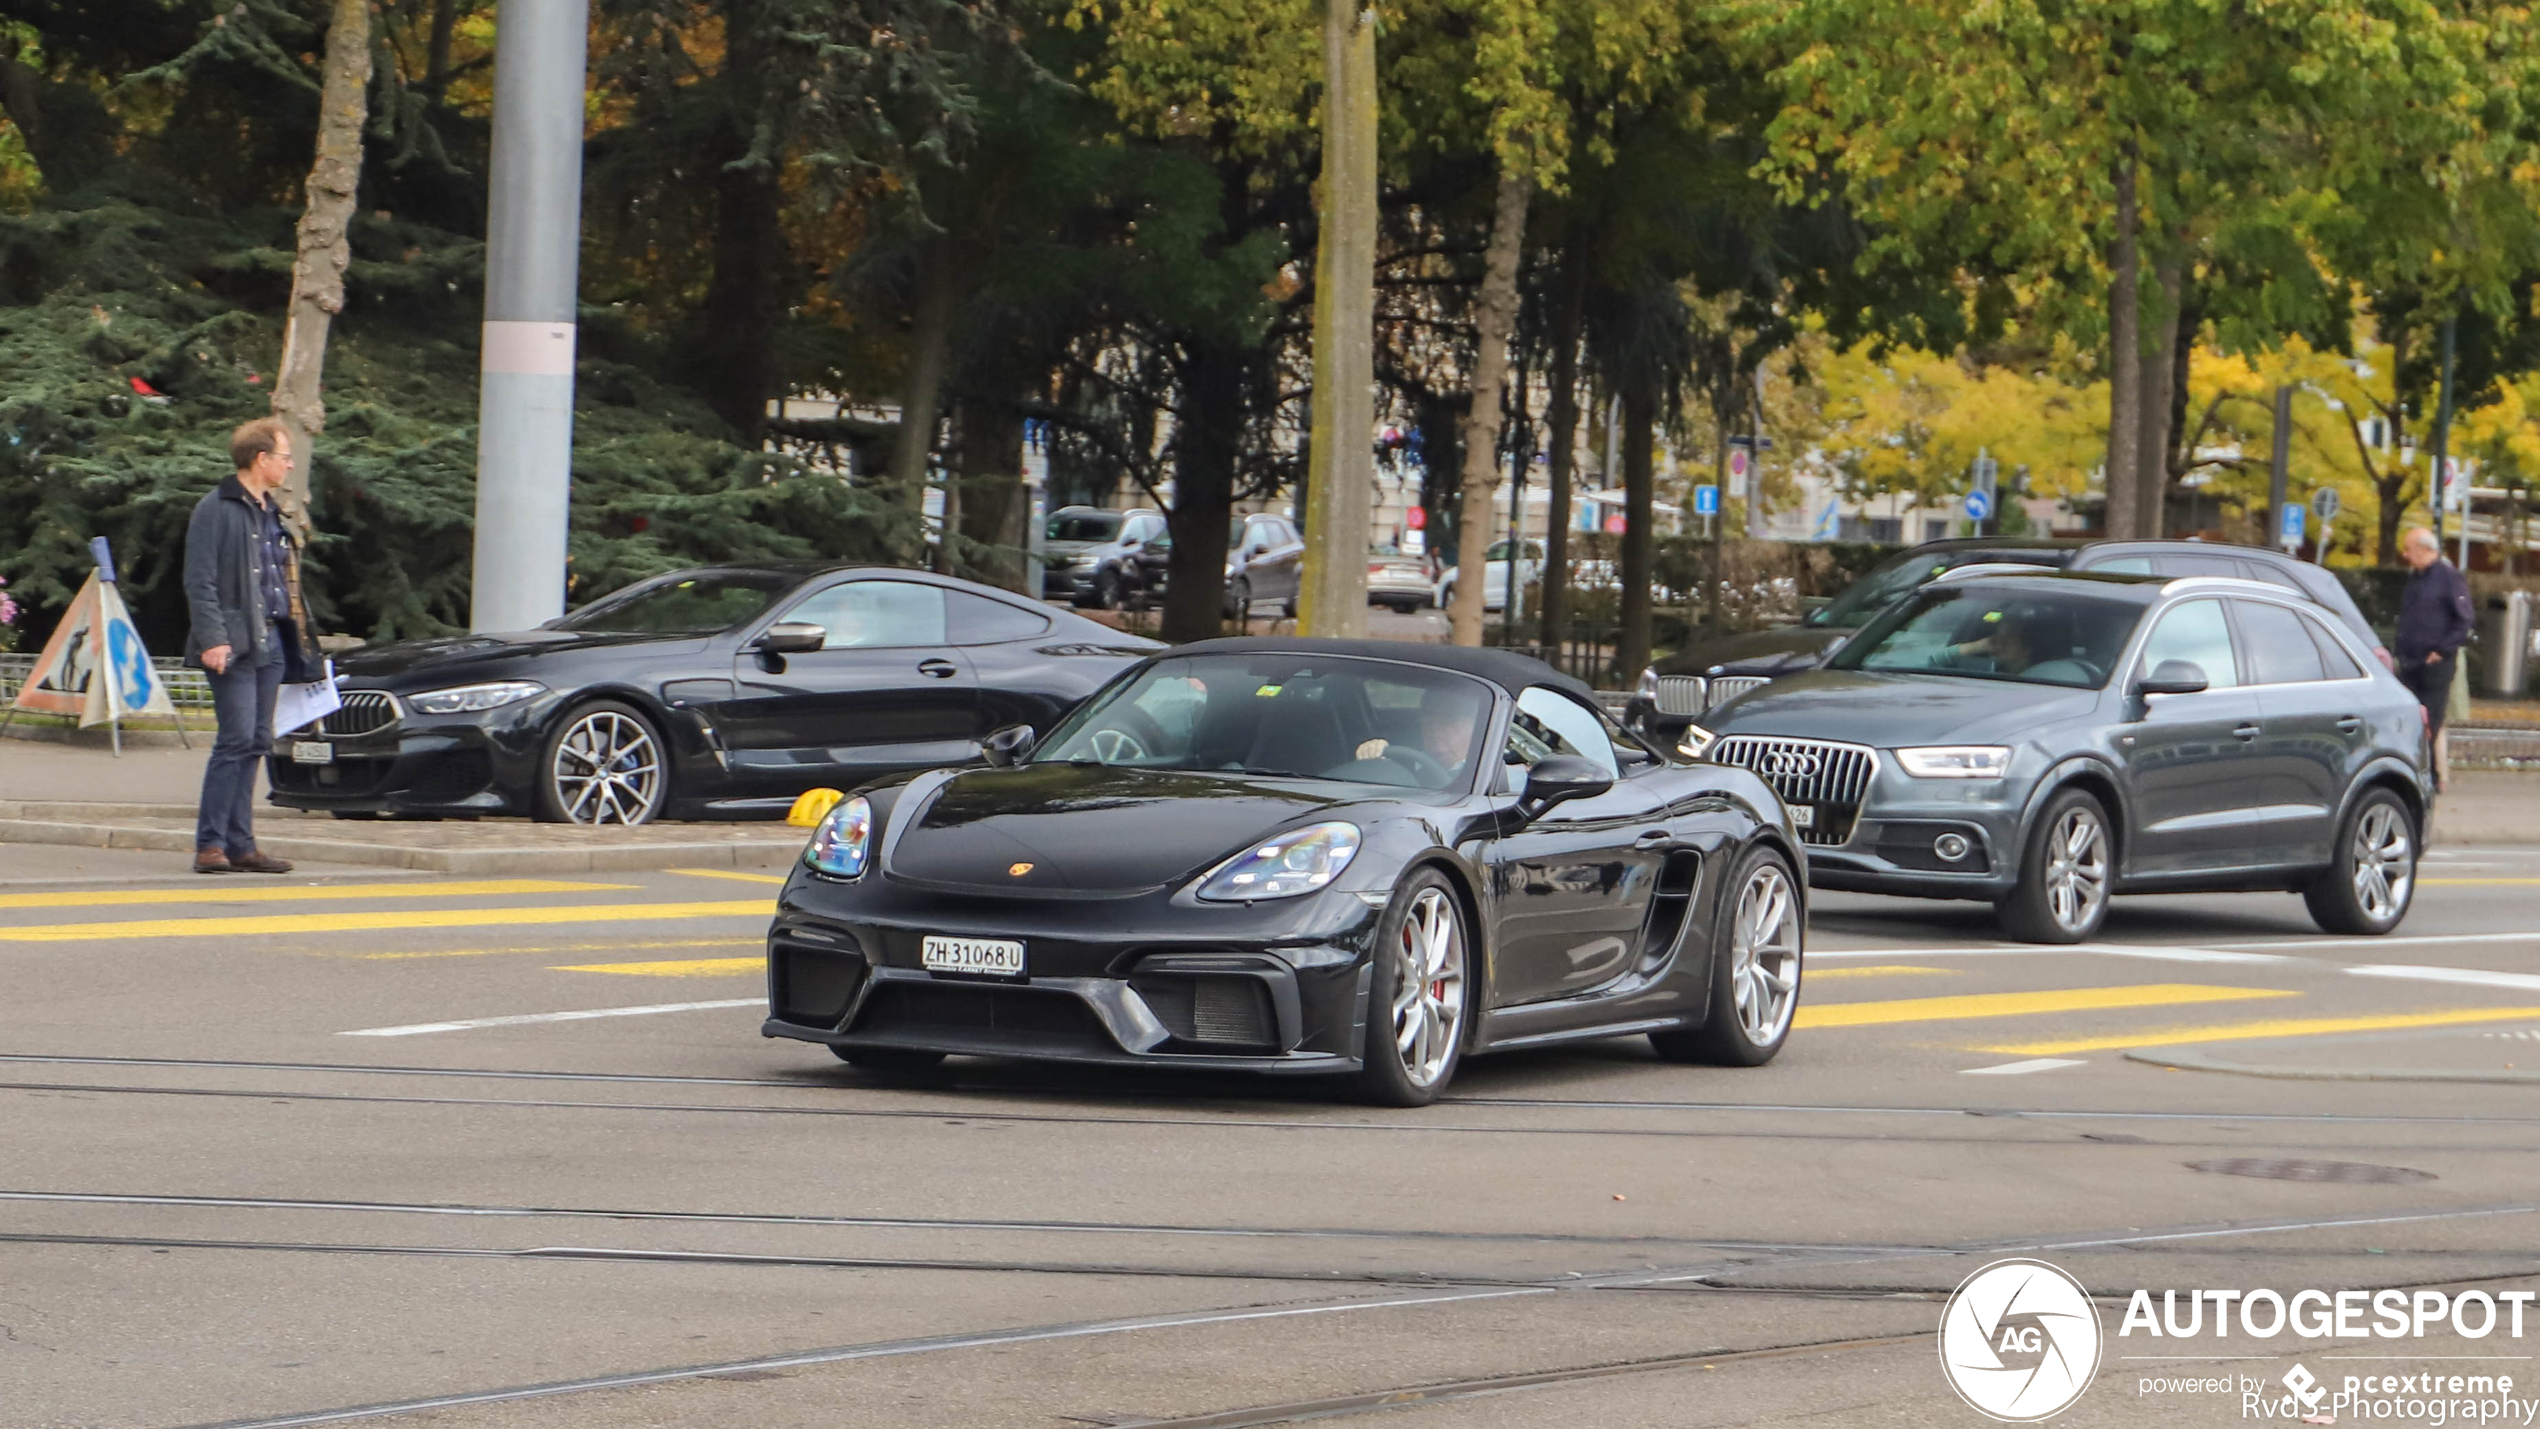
2387 942
2160 953
2467 977
523 1019
2021 1069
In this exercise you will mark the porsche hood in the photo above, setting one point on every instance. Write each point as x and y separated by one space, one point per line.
1056 829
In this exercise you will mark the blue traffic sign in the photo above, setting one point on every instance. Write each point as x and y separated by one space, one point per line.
1706 500
2291 532
1979 504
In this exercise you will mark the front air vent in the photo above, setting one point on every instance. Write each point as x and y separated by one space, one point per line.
1224 1012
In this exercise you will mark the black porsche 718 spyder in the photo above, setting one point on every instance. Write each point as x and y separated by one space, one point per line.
1300 856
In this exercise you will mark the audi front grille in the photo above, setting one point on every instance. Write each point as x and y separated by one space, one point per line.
1828 777
363 712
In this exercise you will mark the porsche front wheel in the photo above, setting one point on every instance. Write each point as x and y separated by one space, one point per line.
1755 959
1417 995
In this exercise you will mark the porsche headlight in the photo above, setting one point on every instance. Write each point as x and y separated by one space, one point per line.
1956 761
468 699
1298 861
1696 742
843 843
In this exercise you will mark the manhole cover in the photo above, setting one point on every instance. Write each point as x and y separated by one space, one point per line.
2343 1173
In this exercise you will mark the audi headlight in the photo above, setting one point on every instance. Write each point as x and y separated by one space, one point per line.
843 843
1696 742
1956 761
468 699
1298 861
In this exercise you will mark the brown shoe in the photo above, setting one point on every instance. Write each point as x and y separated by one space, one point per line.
213 860
258 861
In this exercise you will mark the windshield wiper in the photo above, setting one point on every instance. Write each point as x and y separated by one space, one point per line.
1267 772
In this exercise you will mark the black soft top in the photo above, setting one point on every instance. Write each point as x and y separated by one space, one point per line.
1505 668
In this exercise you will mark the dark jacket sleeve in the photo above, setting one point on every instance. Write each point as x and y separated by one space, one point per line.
2458 619
202 578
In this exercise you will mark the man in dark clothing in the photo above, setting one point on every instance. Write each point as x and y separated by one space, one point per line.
242 579
2434 623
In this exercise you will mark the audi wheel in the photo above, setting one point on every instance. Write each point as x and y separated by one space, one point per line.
2067 870
2368 888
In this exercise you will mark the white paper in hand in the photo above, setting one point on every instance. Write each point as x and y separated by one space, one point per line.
299 705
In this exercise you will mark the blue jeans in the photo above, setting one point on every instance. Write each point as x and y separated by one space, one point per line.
242 703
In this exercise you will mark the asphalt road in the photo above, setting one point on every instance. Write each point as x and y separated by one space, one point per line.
310 1151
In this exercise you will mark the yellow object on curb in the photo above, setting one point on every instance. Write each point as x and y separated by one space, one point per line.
812 807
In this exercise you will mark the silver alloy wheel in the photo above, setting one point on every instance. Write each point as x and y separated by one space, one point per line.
1428 994
2076 869
607 770
2385 863
1764 943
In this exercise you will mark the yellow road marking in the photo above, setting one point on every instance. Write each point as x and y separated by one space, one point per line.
289 923
733 874
550 949
2022 1004
693 967
306 893
2290 1027
1876 970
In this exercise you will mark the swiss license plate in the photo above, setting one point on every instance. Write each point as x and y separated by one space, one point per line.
993 957
312 751
1803 816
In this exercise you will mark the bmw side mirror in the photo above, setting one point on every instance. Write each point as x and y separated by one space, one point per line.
2174 677
1559 779
1007 747
792 637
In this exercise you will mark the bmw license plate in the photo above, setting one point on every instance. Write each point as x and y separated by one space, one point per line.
312 751
989 957
1803 816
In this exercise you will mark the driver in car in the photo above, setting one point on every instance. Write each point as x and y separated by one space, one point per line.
1448 716
2005 647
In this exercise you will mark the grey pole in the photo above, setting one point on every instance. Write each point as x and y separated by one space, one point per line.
2443 438
2280 470
533 234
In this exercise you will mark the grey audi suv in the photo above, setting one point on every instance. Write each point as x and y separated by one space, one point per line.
2046 740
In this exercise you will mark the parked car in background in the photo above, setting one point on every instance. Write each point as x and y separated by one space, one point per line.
1400 579
1089 555
1265 561
2044 741
1305 857
715 693
1678 688
1495 575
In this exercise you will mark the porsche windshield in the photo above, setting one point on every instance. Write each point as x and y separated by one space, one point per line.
691 605
1300 716
2035 635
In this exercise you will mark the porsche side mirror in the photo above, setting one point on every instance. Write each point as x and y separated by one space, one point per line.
792 637
1009 746
2174 677
1559 779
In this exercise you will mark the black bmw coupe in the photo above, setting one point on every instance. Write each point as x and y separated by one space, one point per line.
1300 856
720 693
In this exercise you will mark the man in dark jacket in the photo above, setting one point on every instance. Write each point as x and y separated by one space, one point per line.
2434 623
242 586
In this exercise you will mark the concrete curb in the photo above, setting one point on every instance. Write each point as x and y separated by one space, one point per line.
617 858
2191 1059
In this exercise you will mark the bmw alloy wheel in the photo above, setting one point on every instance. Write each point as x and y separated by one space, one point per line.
2076 869
1428 993
2384 863
1764 954
607 770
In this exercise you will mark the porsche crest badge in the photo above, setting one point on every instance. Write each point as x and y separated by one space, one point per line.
1018 870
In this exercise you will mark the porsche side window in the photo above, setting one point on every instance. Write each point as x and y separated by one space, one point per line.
2195 633
866 615
1549 723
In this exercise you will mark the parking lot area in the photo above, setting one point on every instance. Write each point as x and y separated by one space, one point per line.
511 1152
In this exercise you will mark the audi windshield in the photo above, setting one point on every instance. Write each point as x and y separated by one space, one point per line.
2033 637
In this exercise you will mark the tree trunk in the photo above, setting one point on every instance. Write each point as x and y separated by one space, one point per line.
1495 318
2125 366
1206 444
1562 417
317 273
1332 593
992 505
921 389
2156 397
1640 419
436 61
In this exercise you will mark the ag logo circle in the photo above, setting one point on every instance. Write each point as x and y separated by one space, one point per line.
2019 1340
